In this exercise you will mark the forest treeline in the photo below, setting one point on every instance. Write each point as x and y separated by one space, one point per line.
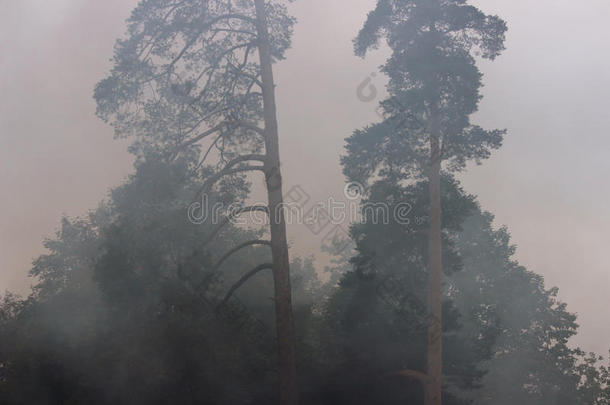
135 303
128 309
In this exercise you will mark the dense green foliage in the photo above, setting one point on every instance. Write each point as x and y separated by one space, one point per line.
125 312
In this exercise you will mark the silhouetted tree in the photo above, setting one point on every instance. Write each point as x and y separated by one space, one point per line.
185 76
110 319
505 336
434 88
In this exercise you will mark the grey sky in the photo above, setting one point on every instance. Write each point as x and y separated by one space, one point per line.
548 183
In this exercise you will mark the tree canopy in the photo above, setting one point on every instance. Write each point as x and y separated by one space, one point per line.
138 302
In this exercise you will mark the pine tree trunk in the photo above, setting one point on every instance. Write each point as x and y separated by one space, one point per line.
279 245
435 268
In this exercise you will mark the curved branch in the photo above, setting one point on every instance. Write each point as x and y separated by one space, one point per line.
234 31
205 156
243 280
203 29
231 216
154 36
188 44
228 170
247 125
416 375
237 249
255 79
201 135
238 123
244 158
239 70
213 67
234 16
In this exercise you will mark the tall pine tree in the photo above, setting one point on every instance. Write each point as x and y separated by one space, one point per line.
186 80
434 88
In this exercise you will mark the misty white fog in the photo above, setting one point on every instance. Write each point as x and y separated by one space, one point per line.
134 274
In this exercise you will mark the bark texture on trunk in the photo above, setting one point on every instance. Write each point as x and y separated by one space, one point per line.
435 268
279 245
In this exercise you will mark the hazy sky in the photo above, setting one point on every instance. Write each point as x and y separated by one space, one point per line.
548 183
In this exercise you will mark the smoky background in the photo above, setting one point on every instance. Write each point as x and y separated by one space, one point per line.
548 183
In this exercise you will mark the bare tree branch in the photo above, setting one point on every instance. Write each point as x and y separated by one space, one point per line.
231 216
205 156
204 29
248 125
229 169
226 172
237 249
416 375
235 124
242 281
234 31
201 136
216 64
244 158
